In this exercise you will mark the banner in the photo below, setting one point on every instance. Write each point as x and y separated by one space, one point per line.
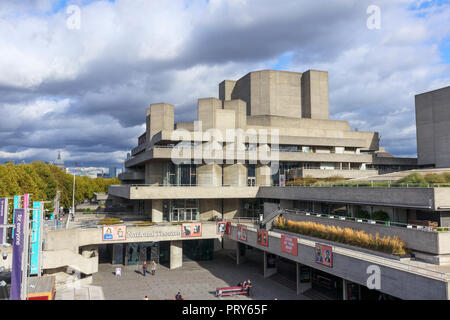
191 229
16 206
289 245
114 233
26 197
262 237
242 232
228 228
220 228
18 240
35 226
324 255
3 218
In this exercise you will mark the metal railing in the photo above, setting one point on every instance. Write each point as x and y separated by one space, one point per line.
369 221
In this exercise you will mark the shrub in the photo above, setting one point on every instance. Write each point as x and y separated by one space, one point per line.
108 221
362 214
380 215
413 178
434 178
347 235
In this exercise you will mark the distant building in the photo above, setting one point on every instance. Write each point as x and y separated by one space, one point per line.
59 162
112 172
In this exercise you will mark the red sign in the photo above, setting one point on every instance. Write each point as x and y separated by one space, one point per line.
262 237
228 228
242 232
191 229
289 245
324 255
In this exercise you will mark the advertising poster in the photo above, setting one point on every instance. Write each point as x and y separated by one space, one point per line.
324 255
262 237
228 228
16 206
220 228
114 233
191 229
3 218
16 272
289 245
34 259
242 232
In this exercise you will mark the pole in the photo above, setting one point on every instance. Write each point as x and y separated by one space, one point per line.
73 196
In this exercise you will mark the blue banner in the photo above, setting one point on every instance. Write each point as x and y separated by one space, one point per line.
34 261
16 206
16 272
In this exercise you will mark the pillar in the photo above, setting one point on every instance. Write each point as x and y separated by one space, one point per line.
344 289
301 286
157 210
209 175
235 175
240 254
176 254
268 272
263 176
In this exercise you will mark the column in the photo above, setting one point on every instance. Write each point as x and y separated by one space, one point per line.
344 289
269 271
263 176
302 286
157 211
209 175
176 254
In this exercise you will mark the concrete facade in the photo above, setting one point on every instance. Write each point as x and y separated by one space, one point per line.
433 127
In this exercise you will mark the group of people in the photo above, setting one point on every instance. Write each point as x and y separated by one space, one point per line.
144 268
246 285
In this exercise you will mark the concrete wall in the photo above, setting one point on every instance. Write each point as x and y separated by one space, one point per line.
433 127
160 116
315 103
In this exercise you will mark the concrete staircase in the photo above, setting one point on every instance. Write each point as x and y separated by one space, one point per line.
70 259
268 220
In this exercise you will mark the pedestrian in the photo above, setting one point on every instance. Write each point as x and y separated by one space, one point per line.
249 285
145 298
144 268
153 266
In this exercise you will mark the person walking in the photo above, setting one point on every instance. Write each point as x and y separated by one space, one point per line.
153 267
144 268
145 298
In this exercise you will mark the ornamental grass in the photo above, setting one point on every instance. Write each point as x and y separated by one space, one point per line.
357 238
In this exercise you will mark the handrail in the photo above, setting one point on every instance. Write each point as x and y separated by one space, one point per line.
369 221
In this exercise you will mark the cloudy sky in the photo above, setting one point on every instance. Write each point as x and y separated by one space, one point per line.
82 85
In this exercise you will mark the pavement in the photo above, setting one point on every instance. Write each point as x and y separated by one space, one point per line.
195 281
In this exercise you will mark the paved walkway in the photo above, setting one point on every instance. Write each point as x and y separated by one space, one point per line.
195 280
82 293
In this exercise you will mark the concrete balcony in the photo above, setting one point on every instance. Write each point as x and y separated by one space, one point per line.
347 174
131 175
148 192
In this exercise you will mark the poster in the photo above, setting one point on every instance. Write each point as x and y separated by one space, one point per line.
18 240
3 218
35 233
228 228
262 237
220 228
191 229
289 245
114 233
324 255
282 181
241 232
